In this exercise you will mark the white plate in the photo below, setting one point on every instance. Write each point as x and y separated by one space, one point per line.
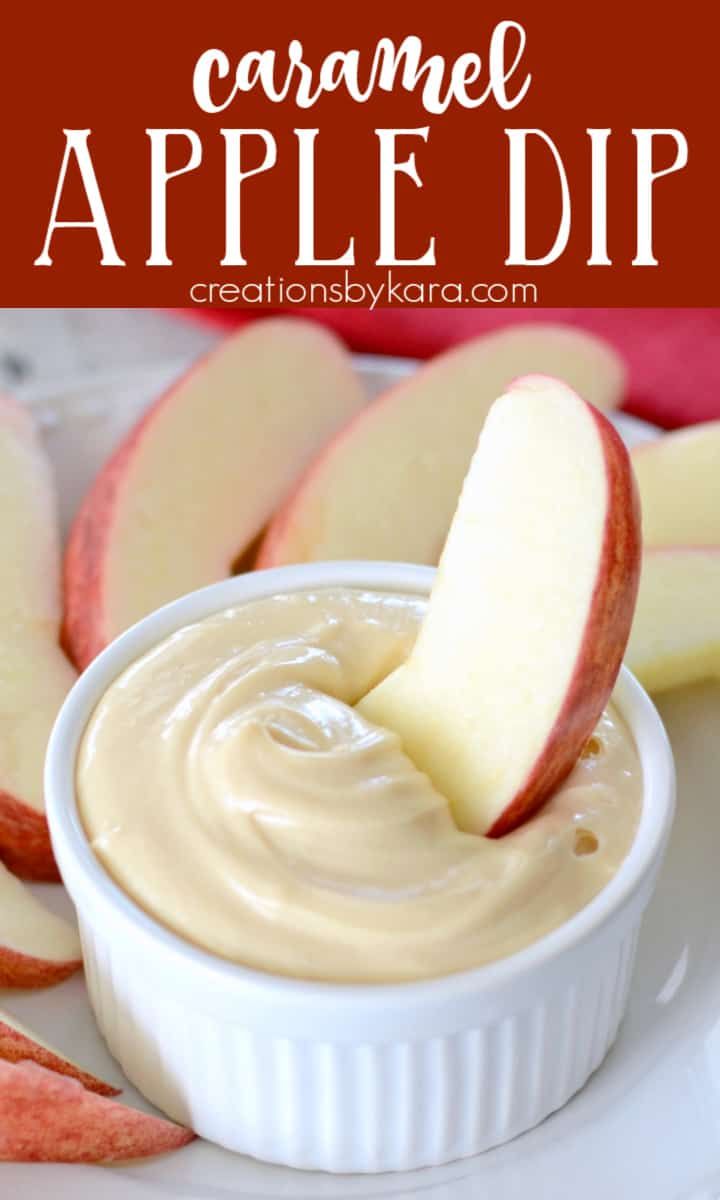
646 1127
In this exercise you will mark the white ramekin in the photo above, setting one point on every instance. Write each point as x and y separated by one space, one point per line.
343 1077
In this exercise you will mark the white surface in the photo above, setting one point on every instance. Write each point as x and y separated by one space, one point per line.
647 1125
43 348
415 1074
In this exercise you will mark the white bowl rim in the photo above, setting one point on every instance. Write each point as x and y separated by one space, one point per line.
69 838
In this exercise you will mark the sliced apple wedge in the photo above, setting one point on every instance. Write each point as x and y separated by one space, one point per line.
35 676
675 637
191 488
19 1044
36 947
387 486
530 613
46 1117
678 476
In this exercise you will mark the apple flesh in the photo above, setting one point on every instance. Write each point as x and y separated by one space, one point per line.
46 1117
18 1044
675 637
37 948
196 481
678 477
35 675
530 612
387 486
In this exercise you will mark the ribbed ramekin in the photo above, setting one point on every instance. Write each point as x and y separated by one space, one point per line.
342 1077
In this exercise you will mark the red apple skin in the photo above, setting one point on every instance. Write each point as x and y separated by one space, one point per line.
604 640
24 836
82 635
25 841
16 1046
18 970
45 1117
268 554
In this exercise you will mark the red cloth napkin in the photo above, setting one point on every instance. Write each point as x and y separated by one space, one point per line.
673 354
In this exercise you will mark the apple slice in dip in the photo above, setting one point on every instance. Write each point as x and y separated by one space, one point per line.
530 613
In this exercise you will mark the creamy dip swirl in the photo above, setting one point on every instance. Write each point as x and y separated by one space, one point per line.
230 787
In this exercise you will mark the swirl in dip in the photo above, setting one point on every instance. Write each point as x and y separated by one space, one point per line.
230 788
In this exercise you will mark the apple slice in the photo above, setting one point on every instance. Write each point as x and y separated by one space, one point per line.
36 947
193 485
675 637
35 676
387 486
679 480
530 613
18 1044
45 1117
